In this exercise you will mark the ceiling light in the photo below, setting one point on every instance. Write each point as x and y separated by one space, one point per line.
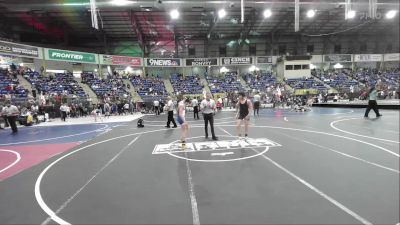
174 14
267 13
391 14
121 2
338 66
310 13
221 13
351 14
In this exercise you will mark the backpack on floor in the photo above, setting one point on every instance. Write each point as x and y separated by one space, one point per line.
140 123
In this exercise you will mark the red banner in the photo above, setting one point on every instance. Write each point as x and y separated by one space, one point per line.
120 60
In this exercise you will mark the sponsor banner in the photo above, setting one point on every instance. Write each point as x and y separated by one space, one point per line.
20 50
391 57
215 145
337 58
163 62
201 62
368 58
264 60
120 60
236 61
70 56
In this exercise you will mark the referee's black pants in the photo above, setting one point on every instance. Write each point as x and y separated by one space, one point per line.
196 112
171 118
209 117
12 122
372 105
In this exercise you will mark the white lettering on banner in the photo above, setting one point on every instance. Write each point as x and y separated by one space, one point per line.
24 51
241 60
201 63
5 48
67 55
162 62
214 145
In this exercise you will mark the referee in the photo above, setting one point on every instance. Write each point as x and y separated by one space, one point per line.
12 113
256 100
208 107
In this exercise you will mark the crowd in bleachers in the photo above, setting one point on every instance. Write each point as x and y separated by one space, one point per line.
55 84
228 82
261 81
340 80
111 87
149 88
389 78
10 87
186 84
306 83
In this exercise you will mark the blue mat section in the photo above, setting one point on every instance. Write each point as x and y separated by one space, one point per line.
52 134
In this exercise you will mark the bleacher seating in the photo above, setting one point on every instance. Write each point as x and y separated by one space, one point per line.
149 88
305 83
102 87
225 83
260 82
389 78
186 84
338 80
60 83
10 85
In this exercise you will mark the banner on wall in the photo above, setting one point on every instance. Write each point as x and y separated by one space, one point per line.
163 62
70 56
237 61
391 57
20 50
264 60
368 58
120 60
201 62
337 58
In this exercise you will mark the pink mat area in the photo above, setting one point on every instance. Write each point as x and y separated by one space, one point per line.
30 155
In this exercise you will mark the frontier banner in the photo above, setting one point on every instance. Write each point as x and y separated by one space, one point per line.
120 60
20 50
236 61
201 62
368 58
163 62
70 56
337 58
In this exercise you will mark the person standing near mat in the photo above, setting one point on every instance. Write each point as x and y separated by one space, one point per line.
64 110
208 108
170 109
12 112
195 105
372 104
256 100
182 121
156 104
244 108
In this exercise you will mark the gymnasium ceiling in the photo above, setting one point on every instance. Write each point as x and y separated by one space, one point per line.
69 21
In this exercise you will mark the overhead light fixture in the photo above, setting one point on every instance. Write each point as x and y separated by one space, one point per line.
224 70
21 64
121 2
267 13
391 14
310 13
351 14
174 14
338 66
221 13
